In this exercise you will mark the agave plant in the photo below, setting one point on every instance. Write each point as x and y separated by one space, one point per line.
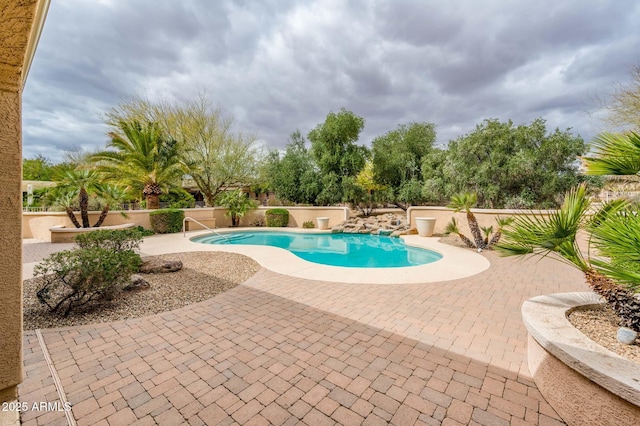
556 235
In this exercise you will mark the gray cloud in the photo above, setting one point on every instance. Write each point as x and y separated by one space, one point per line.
278 66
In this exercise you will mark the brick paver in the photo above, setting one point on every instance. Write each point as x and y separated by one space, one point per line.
281 350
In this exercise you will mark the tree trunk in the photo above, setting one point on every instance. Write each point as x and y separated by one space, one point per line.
72 216
83 198
102 217
475 230
495 238
153 201
466 240
623 302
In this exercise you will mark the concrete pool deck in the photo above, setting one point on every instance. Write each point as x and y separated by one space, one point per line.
285 350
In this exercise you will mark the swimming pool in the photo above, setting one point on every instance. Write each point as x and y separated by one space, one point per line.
348 250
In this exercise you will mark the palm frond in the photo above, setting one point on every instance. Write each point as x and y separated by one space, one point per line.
553 234
615 154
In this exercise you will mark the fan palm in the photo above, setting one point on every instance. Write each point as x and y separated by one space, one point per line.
110 194
615 154
465 201
452 228
557 234
80 181
142 158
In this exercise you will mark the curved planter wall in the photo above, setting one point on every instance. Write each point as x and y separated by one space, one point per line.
584 382
62 234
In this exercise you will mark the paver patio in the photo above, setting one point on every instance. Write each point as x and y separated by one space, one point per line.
283 350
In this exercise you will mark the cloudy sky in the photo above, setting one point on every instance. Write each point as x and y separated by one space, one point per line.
282 65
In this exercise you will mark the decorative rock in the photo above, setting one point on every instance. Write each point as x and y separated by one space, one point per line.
154 265
137 283
387 224
626 335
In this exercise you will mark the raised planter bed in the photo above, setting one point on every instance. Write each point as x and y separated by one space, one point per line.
584 382
62 234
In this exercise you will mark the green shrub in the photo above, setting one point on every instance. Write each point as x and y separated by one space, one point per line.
144 232
111 239
308 224
166 221
73 278
277 217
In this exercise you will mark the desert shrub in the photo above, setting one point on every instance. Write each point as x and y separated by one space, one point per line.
116 239
277 217
144 232
308 224
166 221
73 278
178 198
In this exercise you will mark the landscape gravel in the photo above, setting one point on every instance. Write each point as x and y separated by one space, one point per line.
601 325
204 274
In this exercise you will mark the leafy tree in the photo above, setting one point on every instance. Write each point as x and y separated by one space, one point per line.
333 145
144 159
398 160
513 166
216 157
37 168
294 176
238 204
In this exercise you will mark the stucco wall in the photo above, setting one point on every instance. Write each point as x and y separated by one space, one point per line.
443 216
578 400
17 44
36 225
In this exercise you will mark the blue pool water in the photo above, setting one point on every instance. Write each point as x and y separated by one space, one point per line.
350 250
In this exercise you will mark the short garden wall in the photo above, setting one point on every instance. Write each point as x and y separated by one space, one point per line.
37 225
443 215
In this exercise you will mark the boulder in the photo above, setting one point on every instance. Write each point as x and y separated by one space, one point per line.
137 283
154 265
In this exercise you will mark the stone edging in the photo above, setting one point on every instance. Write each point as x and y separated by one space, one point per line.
546 320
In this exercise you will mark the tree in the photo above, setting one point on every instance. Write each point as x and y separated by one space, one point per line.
216 157
557 233
294 176
37 168
333 145
614 154
624 103
238 204
143 158
398 160
513 166
74 188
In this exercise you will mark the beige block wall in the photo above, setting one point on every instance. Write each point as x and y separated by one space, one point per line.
443 215
36 225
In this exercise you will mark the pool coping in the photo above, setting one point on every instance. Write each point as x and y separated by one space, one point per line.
456 262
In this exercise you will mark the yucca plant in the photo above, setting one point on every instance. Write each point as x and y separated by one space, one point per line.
556 235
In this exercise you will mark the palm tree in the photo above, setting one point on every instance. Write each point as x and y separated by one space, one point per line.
238 204
142 158
452 228
556 235
76 181
465 201
110 194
